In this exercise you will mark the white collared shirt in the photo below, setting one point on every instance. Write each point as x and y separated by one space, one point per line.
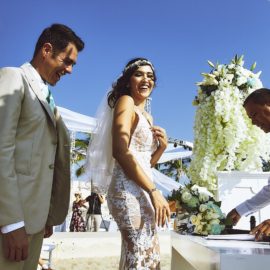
258 201
43 86
12 227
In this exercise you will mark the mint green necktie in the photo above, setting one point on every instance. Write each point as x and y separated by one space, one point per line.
50 100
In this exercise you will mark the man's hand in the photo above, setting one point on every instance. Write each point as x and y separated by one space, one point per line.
233 216
101 198
261 230
15 245
48 231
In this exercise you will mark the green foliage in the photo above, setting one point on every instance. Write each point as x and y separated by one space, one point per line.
174 169
79 153
266 165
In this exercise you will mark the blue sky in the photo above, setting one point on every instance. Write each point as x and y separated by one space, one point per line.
178 36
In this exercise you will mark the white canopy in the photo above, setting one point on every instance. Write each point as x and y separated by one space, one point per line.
167 156
164 183
76 121
173 153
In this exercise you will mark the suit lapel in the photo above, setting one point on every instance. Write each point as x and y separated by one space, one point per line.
62 130
36 89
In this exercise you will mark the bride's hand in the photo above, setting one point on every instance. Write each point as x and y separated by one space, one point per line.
160 135
162 210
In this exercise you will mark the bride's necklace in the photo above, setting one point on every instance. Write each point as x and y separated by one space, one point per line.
143 112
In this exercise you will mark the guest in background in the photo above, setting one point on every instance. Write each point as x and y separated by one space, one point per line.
77 223
257 106
127 134
94 211
34 149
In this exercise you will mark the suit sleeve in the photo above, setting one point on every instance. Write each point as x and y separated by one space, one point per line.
258 201
11 97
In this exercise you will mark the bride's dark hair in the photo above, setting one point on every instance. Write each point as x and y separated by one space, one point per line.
120 87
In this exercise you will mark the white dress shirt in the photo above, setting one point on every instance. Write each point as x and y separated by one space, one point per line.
258 201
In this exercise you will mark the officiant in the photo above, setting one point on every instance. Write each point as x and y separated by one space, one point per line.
257 106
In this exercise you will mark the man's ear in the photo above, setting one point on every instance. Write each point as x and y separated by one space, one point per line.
47 49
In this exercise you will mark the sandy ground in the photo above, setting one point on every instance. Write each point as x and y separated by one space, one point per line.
94 251
110 263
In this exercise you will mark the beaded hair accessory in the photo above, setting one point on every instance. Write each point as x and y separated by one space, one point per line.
139 63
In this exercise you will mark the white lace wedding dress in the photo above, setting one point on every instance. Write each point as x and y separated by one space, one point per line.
131 207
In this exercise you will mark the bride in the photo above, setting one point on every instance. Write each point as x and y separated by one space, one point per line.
125 147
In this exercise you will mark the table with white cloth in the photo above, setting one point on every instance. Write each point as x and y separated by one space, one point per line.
195 252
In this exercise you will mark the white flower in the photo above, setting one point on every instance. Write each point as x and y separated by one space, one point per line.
214 221
203 197
186 196
198 229
195 189
229 78
241 80
209 215
193 219
225 138
203 207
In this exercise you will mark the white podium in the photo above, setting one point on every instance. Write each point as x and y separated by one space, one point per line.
197 253
235 187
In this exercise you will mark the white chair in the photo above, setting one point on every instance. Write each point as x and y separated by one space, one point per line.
47 249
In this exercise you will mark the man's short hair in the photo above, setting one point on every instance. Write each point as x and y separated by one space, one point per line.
59 36
260 96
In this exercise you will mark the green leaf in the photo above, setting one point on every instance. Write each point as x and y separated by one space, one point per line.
253 66
218 204
80 171
211 64
205 74
240 59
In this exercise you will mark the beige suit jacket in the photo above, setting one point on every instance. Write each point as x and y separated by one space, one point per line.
34 154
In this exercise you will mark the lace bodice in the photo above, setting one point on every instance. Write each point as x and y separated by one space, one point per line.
142 143
142 139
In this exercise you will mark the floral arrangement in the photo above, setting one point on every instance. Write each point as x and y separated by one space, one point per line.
200 213
224 137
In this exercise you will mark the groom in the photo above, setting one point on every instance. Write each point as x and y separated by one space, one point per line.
257 106
34 149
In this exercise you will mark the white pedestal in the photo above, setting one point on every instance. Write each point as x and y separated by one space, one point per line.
197 253
236 187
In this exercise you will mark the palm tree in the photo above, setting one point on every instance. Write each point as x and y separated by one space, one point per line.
174 168
79 153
